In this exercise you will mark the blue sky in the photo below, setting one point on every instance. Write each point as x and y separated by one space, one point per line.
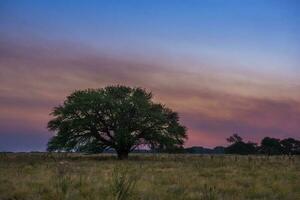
245 28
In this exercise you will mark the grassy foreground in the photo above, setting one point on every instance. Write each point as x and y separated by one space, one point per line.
74 176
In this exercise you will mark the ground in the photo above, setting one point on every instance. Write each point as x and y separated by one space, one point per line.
147 176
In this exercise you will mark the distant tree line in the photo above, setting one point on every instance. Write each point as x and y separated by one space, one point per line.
268 146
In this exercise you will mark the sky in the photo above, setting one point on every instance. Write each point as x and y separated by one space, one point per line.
226 66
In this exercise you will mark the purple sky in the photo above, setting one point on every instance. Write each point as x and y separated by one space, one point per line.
226 67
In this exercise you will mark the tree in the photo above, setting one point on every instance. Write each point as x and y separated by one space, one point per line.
117 117
290 146
271 146
238 146
234 138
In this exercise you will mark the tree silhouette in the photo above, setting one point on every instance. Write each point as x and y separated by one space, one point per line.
234 138
271 146
117 117
238 146
290 146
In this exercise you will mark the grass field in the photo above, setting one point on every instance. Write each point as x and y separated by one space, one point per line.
146 176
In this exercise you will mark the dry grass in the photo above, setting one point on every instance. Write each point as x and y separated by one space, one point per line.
74 176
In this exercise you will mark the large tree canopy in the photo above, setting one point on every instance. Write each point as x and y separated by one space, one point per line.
117 117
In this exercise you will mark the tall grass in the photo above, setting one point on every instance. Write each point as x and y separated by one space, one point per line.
37 176
123 182
62 179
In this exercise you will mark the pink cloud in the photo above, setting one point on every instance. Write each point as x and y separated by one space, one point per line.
212 104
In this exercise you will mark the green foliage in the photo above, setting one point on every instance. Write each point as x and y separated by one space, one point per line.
117 117
92 147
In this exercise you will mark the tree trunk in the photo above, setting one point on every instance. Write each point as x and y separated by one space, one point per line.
122 155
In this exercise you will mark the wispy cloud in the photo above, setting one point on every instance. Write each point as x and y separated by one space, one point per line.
213 102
